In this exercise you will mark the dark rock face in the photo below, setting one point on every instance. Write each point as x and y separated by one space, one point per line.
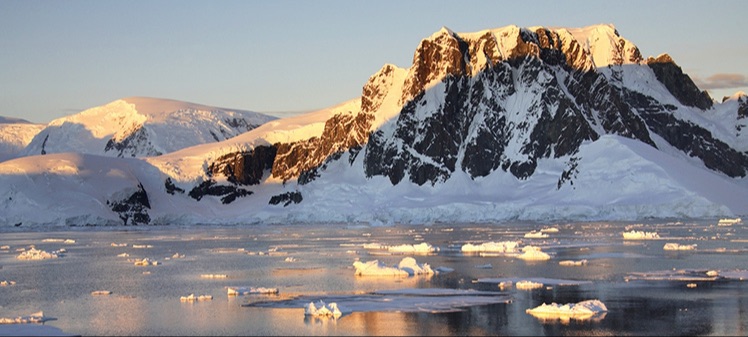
134 209
743 107
245 168
171 188
678 83
286 198
240 169
341 133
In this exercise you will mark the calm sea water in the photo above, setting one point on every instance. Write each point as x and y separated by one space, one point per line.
316 260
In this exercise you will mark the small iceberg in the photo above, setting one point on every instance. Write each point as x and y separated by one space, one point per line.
572 263
214 276
526 285
321 309
407 267
36 254
729 221
421 248
535 235
533 253
37 317
146 262
193 298
492 247
640 235
237 291
676 246
579 311
101 292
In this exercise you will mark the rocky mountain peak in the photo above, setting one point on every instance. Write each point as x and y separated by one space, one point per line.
678 83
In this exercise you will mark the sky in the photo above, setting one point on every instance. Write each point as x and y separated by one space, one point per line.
283 57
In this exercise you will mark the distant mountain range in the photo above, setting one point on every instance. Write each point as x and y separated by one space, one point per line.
511 123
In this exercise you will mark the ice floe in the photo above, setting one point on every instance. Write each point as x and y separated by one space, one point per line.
398 300
508 281
421 248
535 235
407 267
101 292
527 285
68 241
724 222
238 291
36 254
677 246
6 283
37 317
214 276
193 298
687 275
573 263
146 262
579 311
493 247
640 235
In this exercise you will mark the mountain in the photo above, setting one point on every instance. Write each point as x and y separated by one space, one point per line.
535 123
15 134
142 127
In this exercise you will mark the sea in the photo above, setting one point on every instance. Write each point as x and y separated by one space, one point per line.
95 287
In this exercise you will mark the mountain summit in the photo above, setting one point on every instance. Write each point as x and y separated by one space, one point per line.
509 123
141 127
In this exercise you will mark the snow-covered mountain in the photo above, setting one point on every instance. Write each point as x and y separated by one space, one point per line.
509 123
142 127
15 134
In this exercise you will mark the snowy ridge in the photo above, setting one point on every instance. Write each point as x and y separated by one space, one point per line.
15 135
142 127
509 123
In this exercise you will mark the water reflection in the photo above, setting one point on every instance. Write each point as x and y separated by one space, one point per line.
148 304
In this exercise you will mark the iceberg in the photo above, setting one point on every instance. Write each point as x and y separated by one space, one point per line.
322 309
533 253
640 235
237 291
407 267
580 311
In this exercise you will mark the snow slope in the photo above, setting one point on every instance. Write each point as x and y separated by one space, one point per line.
15 135
141 127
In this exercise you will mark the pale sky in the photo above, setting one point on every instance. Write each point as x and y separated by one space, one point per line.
61 57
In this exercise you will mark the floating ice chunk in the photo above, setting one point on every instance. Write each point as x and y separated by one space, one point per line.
535 235
640 235
119 244
290 259
423 248
484 266
5 247
374 245
729 222
676 246
549 230
142 246
37 317
101 292
36 254
237 291
580 311
123 255
688 275
495 247
6 283
443 270
177 256
146 262
407 267
572 263
214 276
59 240
533 253
321 309
691 285
527 285
193 298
